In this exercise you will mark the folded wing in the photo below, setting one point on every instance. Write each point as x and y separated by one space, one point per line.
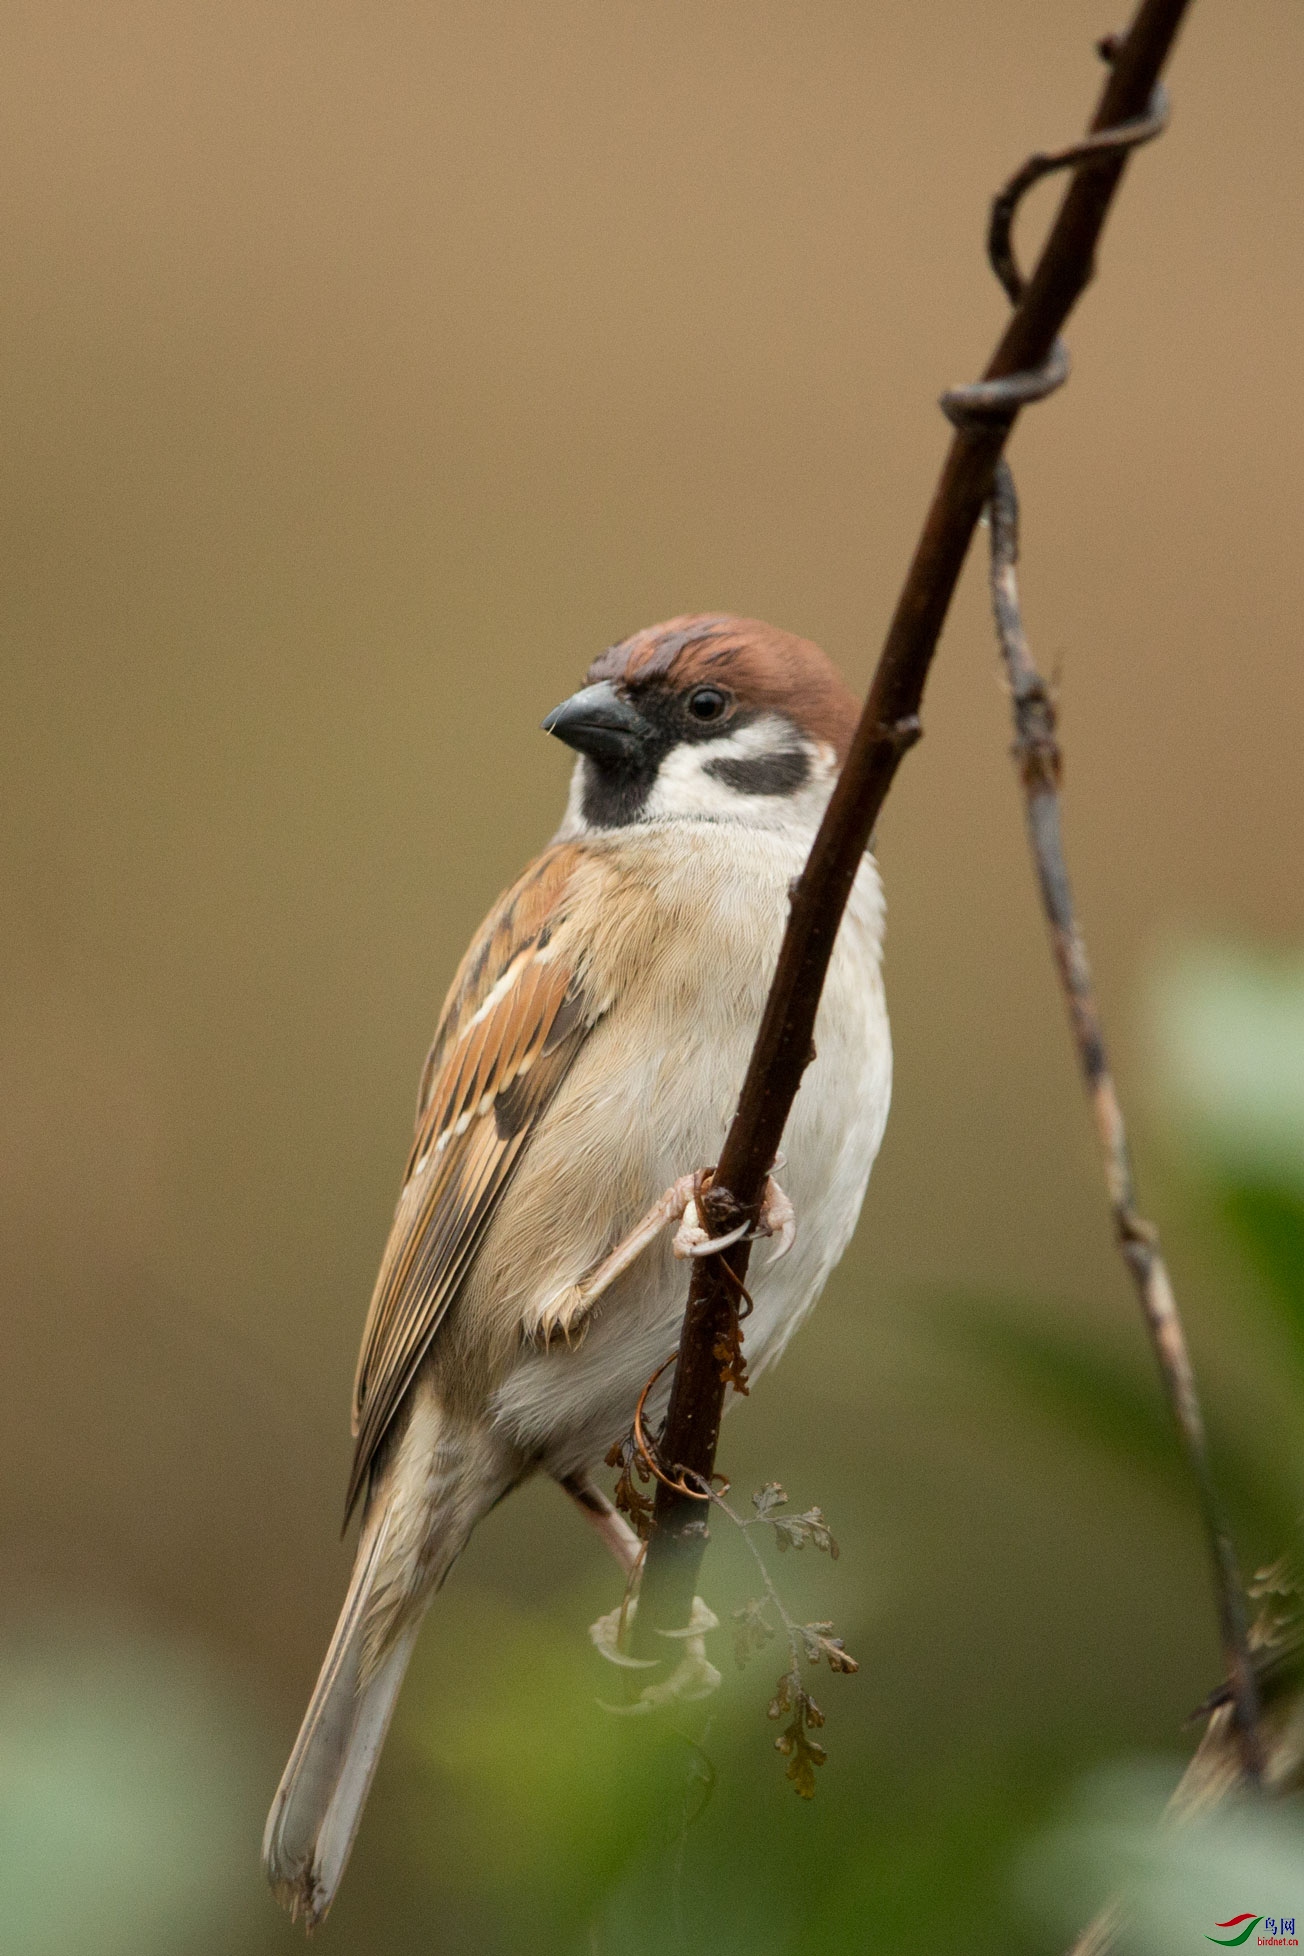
514 1020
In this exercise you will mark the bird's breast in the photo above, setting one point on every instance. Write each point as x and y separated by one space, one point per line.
684 948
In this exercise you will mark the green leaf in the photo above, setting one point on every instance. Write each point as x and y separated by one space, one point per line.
1229 1025
1268 1224
1112 1405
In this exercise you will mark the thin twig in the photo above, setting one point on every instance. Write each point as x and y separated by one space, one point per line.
789 1622
1216 1770
889 725
1038 760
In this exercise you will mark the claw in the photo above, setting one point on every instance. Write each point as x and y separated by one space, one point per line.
561 1315
778 1219
692 1240
692 1231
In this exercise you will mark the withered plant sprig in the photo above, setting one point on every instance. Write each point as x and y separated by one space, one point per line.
760 1620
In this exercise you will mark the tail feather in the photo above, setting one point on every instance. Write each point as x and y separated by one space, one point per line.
438 1482
319 1802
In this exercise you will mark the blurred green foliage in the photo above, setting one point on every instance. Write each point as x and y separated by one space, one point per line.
1267 1222
126 1760
1229 1026
1179 1882
580 1830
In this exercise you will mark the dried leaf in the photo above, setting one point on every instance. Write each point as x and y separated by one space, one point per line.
728 1354
822 1646
784 1699
629 1499
801 1771
802 1752
768 1498
753 1630
794 1531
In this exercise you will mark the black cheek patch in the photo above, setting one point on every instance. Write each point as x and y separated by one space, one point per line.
764 774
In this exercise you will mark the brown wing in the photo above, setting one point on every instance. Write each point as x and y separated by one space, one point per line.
513 1021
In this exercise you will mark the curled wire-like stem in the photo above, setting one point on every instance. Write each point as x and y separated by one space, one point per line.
1105 142
746 1303
999 400
981 401
1037 757
646 1449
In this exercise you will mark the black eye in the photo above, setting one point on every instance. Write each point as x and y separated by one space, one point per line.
707 703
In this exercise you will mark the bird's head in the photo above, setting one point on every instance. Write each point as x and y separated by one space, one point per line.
707 718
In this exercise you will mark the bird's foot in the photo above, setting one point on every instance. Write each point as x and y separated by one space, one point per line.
694 1676
562 1319
777 1218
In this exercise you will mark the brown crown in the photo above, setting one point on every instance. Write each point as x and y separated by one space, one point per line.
761 666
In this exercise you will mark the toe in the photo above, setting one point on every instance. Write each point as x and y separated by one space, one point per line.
690 1232
559 1314
779 1220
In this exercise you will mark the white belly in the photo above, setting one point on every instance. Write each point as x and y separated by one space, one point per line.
651 1098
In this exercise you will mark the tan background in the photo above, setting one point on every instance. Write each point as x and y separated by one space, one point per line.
365 370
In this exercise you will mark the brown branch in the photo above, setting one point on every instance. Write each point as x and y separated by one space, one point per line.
1027 361
1038 760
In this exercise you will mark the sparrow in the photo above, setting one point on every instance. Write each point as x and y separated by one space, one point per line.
586 1065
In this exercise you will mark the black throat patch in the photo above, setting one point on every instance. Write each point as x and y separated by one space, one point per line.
612 797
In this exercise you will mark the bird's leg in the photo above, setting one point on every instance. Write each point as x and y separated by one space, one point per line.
611 1526
563 1313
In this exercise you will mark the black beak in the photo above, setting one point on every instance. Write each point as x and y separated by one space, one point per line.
598 722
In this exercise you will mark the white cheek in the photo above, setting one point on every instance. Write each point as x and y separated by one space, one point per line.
683 786
686 789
